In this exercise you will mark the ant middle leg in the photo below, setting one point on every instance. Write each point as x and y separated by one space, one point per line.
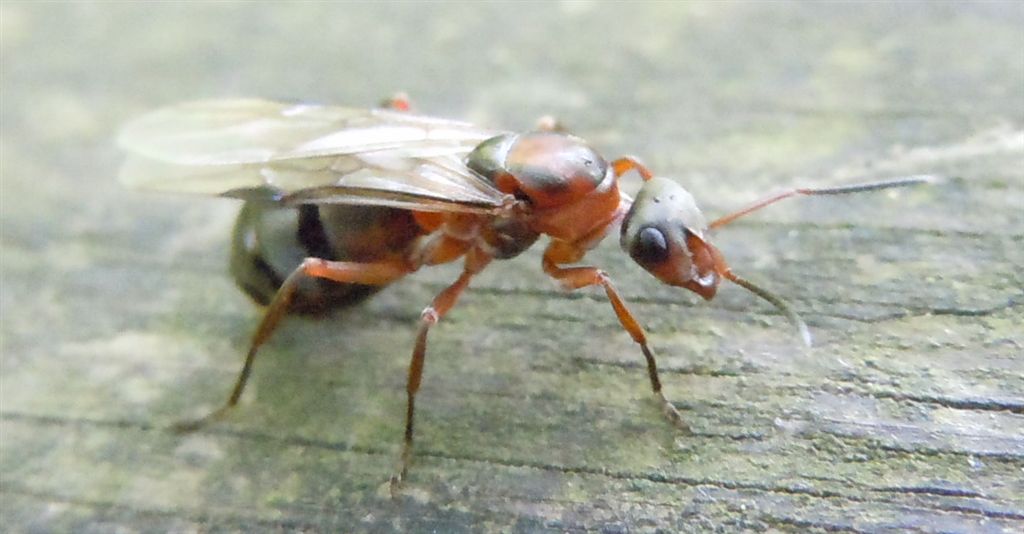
550 123
442 303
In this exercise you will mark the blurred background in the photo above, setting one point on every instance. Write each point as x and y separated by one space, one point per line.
118 315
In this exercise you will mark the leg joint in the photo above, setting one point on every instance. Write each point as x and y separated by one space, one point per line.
430 315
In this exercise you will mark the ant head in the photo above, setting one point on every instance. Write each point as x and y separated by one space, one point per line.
664 232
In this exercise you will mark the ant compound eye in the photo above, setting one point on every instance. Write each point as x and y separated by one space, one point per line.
650 246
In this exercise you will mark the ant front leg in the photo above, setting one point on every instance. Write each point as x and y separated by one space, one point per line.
625 164
442 303
378 273
560 252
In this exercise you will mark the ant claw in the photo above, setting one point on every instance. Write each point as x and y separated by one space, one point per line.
673 415
191 425
395 485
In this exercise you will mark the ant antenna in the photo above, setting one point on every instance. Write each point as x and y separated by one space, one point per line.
841 190
781 305
777 301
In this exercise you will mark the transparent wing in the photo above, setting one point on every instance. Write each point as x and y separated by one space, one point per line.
258 149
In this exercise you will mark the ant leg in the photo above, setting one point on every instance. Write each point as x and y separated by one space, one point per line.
548 123
629 163
379 273
475 262
841 190
397 102
579 277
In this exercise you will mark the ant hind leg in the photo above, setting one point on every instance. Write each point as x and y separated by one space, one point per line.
378 273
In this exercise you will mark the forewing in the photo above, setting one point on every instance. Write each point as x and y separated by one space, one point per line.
222 132
308 153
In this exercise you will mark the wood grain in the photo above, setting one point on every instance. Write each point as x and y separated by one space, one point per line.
118 317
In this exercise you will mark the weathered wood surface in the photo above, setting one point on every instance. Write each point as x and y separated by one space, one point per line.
118 317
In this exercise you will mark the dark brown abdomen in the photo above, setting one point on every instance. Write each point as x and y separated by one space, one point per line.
269 242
